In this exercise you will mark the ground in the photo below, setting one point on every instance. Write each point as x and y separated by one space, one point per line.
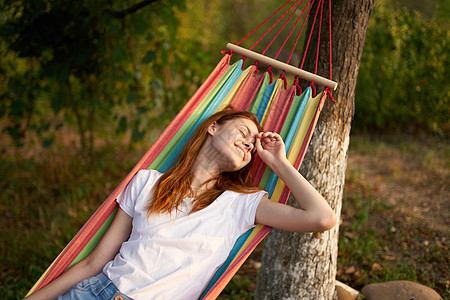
410 176
395 216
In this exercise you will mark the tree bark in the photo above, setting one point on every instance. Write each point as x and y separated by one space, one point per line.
303 266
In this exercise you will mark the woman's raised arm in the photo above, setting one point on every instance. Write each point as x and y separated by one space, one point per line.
93 264
314 214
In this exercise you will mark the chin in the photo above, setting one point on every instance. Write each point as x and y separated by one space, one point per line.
234 166
234 163
240 166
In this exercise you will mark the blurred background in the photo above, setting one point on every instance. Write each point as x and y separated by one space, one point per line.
87 86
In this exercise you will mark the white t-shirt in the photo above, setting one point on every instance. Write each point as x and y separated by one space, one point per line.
175 256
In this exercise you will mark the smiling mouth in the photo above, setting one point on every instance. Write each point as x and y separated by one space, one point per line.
241 151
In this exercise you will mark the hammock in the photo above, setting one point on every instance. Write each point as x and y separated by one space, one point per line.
288 111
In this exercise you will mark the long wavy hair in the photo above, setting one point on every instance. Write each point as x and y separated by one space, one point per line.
175 184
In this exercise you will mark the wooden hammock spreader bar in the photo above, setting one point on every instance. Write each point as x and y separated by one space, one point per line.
283 66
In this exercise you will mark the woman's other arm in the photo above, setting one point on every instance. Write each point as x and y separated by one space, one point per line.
314 214
93 264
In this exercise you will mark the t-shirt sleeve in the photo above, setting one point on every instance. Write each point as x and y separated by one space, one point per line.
247 211
129 195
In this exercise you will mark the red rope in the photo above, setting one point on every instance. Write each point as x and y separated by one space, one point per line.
269 70
307 9
329 31
301 29
283 76
309 38
292 30
243 62
314 92
256 64
299 88
328 92
273 26
281 29
263 23
318 36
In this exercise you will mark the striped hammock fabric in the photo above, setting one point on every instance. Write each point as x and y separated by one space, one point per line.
282 111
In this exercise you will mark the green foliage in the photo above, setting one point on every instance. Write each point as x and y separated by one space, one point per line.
403 80
82 66
93 67
237 289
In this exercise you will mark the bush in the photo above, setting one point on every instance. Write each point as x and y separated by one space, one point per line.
402 83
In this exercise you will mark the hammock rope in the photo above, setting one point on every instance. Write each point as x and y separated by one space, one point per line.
281 29
270 29
285 67
313 87
301 29
309 37
318 35
248 35
329 44
290 33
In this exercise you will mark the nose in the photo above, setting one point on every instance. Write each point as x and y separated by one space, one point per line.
248 145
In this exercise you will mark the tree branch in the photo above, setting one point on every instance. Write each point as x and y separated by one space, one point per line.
121 14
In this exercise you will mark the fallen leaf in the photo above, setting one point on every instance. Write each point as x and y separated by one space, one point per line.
350 270
376 267
351 235
387 257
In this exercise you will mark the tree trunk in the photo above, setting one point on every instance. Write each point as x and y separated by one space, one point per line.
303 266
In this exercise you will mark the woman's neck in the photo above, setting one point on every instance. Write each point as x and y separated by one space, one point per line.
205 169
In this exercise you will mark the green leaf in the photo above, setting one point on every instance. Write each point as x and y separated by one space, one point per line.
139 24
137 135
149 57
131 98
119 54
48 141
122 126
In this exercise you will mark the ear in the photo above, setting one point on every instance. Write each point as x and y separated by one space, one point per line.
213 128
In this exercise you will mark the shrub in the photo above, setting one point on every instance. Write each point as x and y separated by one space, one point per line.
402 83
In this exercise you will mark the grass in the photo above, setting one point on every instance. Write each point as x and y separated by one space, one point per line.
48 194
386 235
239 288
45 200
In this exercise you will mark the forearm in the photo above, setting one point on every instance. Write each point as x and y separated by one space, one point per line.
106 250
307 197
314 214
67 280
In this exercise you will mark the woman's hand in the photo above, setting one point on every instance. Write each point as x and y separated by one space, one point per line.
270 147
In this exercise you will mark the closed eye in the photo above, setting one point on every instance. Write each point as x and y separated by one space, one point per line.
244 135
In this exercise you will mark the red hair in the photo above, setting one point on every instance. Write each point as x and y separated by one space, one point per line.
175 184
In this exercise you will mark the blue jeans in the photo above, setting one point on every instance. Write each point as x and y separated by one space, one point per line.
96 287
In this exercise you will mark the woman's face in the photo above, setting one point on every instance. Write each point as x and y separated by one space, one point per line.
234 143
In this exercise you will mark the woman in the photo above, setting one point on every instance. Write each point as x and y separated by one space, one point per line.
173 230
